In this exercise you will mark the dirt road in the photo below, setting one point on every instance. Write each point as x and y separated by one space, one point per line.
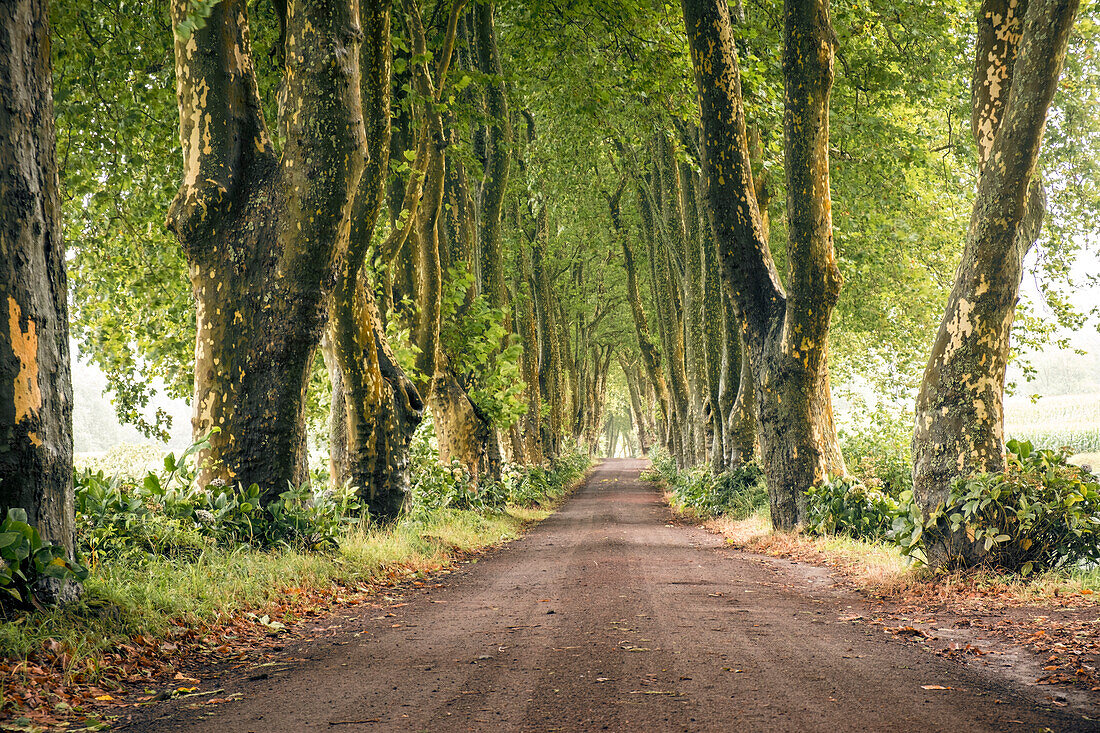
608 616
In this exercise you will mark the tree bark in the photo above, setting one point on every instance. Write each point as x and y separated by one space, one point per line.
532 421
551 383
375 408
716 333
670 327
637 406
262 234
651 355
498 157
36 463
692 287
786 335
1021 48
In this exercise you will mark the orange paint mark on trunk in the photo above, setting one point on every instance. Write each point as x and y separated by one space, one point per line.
28 397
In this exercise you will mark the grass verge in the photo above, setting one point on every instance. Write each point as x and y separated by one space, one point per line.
883 571
139 617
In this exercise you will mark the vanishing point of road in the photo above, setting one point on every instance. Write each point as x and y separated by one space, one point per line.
610 616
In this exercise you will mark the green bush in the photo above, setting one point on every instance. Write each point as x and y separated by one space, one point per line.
436 486
878 453
1041 513
26 561
166 514
736 493
847 506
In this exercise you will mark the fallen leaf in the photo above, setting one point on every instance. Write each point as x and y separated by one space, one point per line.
934 687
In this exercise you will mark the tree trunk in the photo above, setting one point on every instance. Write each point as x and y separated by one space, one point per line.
651 355
637 408
36 464
716 333
693 295
375 408
462 433
670 325
498 157
742 423
532 421
550 371
786 336
1021 47
262 235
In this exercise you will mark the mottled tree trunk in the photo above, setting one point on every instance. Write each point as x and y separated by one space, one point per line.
786 335
462 432
670 327
532 421
693 288
36 462
550 381
375 408
651 355
262 233
715 333
498 157
1021 48
742 424
637 407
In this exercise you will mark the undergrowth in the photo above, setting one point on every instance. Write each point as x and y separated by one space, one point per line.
1038 523
162 552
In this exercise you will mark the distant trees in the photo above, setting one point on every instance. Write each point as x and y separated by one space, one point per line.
36 458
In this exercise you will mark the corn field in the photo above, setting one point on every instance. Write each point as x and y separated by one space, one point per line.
1053 422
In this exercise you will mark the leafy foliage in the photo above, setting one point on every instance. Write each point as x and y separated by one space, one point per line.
166 514
847 506
26 561
473 332
736 493
437 486
1040 513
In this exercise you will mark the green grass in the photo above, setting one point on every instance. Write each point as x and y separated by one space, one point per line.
124 599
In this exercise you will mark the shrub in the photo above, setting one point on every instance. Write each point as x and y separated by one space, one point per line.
847 506
878 453
1040 513
167 514
736 493
26 561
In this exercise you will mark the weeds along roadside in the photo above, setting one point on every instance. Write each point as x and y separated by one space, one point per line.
1039 522
164 556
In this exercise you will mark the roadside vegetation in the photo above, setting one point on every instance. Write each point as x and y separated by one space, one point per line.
1038 520
164 560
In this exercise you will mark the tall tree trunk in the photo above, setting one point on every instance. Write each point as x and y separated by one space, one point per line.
786 335
532 421
262 234
637 406
375 407
498 157
694 295
716 333
651 355
36 464
1021 47
551 383
670 326
742 424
